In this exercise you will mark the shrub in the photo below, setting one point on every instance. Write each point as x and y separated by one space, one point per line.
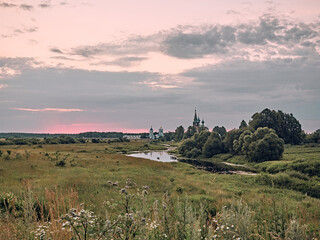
61 163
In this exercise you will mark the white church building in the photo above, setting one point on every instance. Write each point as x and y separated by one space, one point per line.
153 135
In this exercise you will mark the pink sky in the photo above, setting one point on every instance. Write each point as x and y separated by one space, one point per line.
152 62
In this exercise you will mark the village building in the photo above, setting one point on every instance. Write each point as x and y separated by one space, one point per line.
132 136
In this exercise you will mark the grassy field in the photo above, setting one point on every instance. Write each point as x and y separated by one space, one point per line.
88 168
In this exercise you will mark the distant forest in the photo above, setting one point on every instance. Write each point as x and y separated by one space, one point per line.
79 135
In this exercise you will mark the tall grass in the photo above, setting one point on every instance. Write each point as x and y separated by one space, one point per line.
60 216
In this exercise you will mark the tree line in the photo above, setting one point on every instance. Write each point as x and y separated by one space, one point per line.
262 139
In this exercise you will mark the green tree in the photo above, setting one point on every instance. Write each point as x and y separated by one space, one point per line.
187 146
190 132
263 145
168 136
213 145
243 124
313 137
230 137
286 125
178 134
238 144
195 152
201 138
221 130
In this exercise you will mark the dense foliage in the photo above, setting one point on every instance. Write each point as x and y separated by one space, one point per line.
220 130
262 145
213 145
178 134
202 143
286 125
313 137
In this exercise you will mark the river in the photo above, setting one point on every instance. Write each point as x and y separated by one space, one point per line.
160 156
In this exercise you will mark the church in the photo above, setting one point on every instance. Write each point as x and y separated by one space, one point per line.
153 135
196 120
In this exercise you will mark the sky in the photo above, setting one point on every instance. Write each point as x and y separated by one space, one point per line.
72 66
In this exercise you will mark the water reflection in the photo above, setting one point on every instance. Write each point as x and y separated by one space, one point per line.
160 156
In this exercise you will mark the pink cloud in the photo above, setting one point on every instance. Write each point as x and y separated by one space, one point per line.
49 109
3 86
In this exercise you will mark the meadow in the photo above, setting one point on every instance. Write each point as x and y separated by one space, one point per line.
43 184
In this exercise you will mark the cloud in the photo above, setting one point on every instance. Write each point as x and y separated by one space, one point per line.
244 85
48 110
198 44
13 66
133 45
232 12
63 58
17 32
44 5
3 86
16 63
224 94
268 34
123 61
56 50
26 7
7 5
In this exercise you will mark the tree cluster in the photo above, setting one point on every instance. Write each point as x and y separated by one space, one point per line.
202 143
313 137
259 146
261 140
285 125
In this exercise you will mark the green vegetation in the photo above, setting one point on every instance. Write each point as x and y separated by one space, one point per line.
286 125
64 187
262 145
40 197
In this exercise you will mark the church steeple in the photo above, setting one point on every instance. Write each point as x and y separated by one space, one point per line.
196 119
